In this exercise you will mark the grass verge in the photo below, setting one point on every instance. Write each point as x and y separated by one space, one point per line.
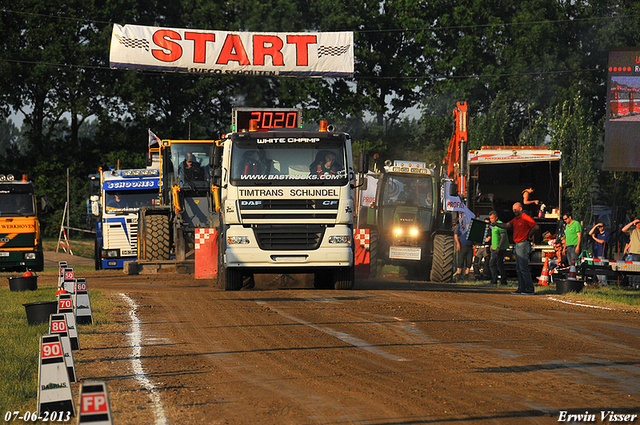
19 350
81 248
606 296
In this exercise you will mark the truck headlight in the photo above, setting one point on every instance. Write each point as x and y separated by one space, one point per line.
398 231
339 239
111 253
238 240
414 232
29 255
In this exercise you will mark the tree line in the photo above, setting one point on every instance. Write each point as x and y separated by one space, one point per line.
532 71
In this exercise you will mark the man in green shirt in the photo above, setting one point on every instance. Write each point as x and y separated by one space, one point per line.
573 233
499 245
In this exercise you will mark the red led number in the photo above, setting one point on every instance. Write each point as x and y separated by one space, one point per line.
268 119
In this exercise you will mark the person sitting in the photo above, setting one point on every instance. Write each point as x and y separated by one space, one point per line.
251 164
326 163
190 169
117 202
560 260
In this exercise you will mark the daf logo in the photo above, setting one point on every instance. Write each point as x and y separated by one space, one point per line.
4 240
243 203
328 203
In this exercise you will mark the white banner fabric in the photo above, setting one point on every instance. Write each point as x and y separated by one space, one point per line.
308 54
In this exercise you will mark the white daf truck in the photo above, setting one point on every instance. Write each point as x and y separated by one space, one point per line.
286 199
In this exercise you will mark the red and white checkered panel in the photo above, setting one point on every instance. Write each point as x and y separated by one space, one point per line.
202 235
363 236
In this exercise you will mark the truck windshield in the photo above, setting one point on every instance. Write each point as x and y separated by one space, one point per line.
16 204
288 165
132 200
190 163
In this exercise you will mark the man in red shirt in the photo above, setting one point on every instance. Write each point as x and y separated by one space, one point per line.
523 230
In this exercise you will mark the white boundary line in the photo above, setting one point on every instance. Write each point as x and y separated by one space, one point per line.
579 304
135 339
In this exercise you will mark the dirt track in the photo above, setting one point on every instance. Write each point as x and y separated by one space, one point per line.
384 353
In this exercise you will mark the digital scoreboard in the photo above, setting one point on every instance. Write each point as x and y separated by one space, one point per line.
266 118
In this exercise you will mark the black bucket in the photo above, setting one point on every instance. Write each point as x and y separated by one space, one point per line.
563 285
23 283
40 311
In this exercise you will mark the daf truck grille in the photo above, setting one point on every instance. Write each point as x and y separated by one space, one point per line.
288 238
289 209
289 204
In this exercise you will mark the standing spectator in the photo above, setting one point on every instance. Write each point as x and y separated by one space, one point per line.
499 244
523 230
633 230
465 252
601 238
527 201
573 233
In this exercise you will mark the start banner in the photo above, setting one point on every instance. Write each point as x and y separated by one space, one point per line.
308 54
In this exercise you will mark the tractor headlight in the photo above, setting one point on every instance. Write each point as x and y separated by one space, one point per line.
398 231
414 232
29 255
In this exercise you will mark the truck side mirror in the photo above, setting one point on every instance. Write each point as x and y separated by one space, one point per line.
363 162
45 206
215 163
453 189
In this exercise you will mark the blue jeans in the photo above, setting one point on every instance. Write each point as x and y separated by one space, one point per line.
525 281
571 255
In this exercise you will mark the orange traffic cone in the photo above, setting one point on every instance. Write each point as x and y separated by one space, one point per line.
544 276
572 272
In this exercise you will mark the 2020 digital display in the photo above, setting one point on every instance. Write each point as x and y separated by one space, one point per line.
267 118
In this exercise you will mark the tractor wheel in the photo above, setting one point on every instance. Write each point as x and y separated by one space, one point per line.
442 264
157 237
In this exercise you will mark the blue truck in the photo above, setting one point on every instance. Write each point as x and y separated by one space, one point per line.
122 194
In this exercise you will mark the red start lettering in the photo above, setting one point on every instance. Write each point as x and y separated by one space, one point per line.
270 45
199 44
233 50
163 38
302 47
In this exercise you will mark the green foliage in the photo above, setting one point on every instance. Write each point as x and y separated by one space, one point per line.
572 132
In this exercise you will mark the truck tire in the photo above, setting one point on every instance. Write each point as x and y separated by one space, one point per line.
97 255
442 264
157 237
323 280
344 278
229 279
